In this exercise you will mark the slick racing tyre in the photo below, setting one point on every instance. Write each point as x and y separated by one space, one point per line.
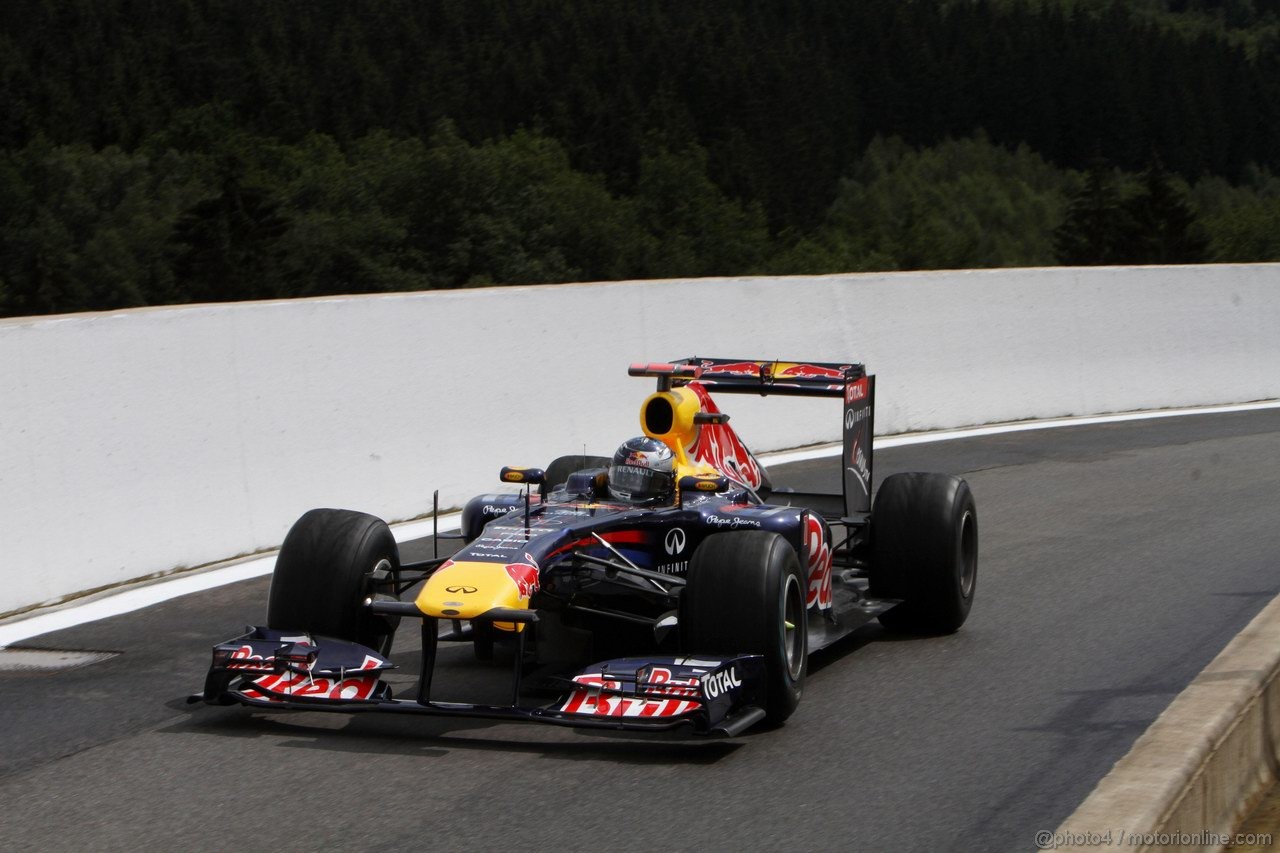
745 595
924 538
323 575
559 470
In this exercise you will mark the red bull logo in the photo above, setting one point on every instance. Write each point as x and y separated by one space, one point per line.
526 577
719 446
348 689
289 684
596 695
737 368
246 658
810 371
660 680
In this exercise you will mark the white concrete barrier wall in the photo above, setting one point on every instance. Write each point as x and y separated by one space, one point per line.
137 442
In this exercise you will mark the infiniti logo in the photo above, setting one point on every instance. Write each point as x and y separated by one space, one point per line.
465 590
853 417
674 542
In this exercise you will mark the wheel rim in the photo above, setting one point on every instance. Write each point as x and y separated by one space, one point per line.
793 627
968 554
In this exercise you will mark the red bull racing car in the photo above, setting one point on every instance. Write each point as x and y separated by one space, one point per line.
696 585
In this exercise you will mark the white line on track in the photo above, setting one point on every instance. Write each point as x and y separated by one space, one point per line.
129 599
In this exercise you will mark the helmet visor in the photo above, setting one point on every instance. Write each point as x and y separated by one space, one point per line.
633 483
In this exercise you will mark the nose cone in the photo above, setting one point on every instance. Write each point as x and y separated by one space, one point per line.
467 590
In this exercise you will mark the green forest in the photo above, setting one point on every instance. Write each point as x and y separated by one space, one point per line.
171 151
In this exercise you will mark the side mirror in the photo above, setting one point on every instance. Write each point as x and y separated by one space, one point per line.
531 476
592 483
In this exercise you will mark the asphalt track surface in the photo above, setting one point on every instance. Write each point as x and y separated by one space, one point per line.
1116 561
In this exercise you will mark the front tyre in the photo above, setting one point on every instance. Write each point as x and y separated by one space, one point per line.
745 595
924 537
324 574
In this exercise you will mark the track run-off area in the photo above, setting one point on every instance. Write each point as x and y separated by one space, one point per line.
1117 559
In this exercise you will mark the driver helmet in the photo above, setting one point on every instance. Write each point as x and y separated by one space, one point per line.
643 472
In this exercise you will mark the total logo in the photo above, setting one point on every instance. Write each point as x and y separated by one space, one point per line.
674 542
720 682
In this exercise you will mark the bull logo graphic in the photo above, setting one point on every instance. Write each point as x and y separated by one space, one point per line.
525 575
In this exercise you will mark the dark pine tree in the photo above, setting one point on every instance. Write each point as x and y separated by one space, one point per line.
1096 221
1163 228
226 248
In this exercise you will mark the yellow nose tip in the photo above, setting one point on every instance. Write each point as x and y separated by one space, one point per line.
466 590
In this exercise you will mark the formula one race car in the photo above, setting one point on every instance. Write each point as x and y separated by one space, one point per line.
704 585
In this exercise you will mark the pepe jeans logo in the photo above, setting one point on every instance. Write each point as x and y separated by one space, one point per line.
675 541
735 523
460 590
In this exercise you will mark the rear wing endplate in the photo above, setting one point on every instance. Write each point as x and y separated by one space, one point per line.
855 455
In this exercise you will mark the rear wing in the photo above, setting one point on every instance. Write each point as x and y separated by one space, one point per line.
794 378
849 381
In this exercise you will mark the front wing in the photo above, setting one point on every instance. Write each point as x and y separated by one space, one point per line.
266 668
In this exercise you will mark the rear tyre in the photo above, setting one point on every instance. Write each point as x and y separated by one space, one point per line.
559 470
745 595
324 574
924 538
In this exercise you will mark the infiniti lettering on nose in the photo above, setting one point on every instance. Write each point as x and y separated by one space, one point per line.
464 590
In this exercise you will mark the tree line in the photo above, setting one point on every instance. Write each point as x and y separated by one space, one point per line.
160 151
